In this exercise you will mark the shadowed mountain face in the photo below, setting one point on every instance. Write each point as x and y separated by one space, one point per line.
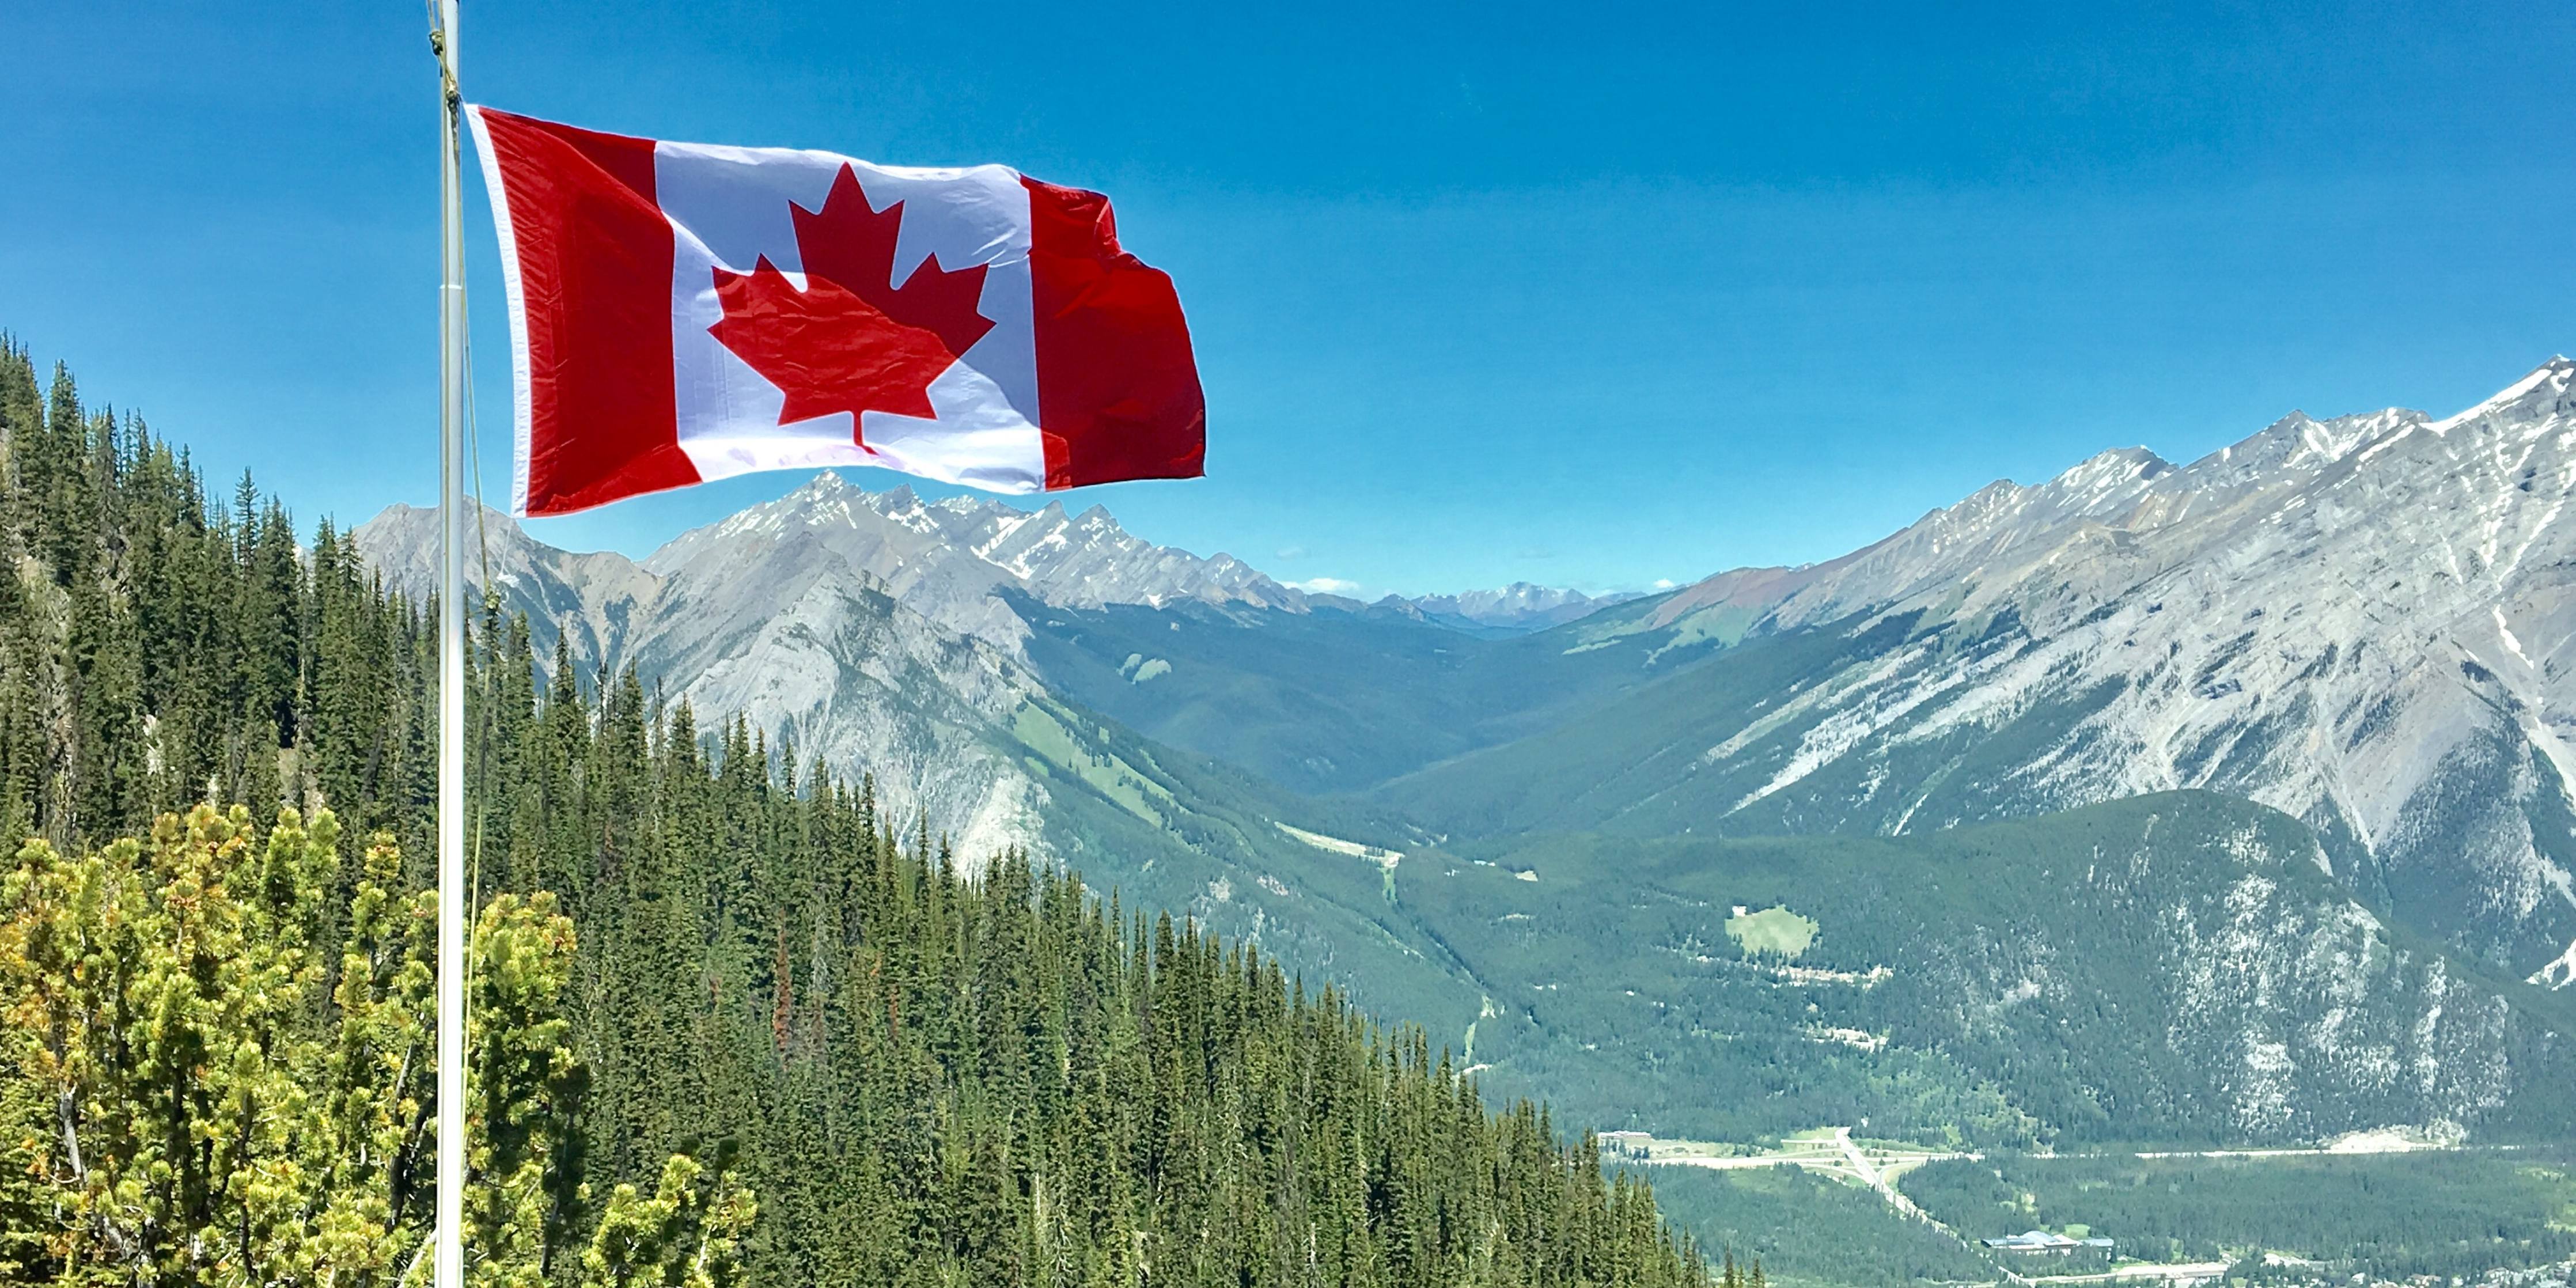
2361 623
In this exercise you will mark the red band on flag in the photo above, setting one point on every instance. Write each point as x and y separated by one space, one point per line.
593 257
1118 390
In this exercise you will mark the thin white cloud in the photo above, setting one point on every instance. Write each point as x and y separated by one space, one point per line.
1325 586
1292 552
1665 583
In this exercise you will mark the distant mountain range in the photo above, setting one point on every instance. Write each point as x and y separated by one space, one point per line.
1516 815
1512 609
2368 623
952 561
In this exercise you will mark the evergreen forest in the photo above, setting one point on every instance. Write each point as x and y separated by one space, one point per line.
731 1022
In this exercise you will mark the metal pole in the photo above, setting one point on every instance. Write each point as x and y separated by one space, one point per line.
449 1269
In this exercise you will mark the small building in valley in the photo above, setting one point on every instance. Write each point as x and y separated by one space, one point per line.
2043 1241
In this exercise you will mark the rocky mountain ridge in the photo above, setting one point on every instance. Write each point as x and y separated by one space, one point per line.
951 560
793 636
2365 622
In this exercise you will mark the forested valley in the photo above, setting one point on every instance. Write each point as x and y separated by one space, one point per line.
732 1022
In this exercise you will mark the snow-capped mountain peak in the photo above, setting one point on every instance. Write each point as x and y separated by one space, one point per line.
2297 442
1520 606
957 559
2542 393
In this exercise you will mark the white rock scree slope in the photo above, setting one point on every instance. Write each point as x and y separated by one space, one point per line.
2366 622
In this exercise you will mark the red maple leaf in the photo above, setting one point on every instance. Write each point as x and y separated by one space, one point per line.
850 341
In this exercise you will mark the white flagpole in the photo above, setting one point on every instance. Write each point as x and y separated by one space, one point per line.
449 1262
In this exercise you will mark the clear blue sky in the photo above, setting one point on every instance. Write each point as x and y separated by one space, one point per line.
1590 295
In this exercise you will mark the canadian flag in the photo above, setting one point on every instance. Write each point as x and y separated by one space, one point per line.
682 312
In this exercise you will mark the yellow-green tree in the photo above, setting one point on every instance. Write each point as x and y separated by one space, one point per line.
193 1093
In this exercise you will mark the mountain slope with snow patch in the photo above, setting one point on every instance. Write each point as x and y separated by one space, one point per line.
2368 623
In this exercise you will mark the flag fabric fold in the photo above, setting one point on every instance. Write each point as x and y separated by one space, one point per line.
683 312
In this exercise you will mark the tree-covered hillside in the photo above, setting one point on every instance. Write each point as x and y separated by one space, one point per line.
737 982
2175 969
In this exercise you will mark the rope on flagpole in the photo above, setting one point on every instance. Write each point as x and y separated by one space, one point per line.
448 92
482 726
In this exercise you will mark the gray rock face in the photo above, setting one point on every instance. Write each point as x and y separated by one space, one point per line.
952 560
2368 623
874 629
786 630
592 600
